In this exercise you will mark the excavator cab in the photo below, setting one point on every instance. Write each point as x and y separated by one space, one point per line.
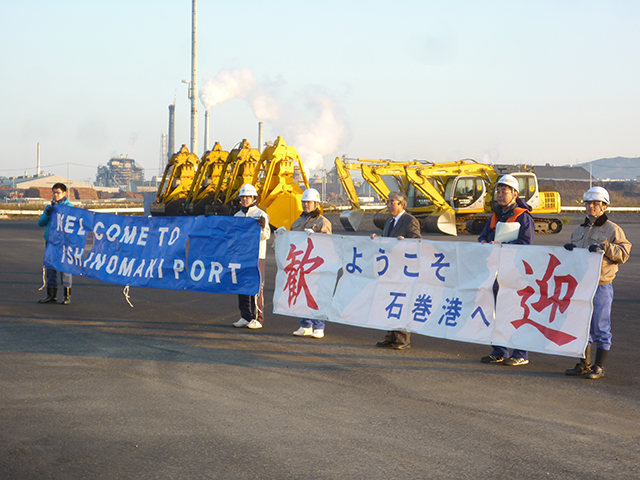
528 188
465 193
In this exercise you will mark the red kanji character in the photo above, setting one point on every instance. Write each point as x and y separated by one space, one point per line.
555 300
296 272
556 336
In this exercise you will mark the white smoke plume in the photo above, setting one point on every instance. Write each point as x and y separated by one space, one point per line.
225 86
264 107
323 134
263 99
320 129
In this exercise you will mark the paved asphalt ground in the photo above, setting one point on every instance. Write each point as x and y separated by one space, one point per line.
169 389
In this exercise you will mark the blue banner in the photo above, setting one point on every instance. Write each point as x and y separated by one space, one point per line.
206 254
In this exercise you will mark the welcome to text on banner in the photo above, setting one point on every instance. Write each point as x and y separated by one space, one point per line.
441 289
207 254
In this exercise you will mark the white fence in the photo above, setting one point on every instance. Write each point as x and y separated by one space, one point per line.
140 210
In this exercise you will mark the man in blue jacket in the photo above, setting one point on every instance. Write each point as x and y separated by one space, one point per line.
59 191
509 209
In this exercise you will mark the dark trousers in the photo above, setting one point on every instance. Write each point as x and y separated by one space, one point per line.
251 306
52 278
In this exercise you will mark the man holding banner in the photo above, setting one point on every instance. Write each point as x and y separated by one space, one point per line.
401 225
251 307
59 192
599 234
511 223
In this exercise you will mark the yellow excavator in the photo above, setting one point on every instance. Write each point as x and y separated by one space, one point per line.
462 192
176 183
455 197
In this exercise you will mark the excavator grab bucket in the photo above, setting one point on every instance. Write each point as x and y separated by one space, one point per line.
176 183
275 177
441 221
351 219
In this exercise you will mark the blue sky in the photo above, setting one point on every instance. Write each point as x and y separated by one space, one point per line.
498 81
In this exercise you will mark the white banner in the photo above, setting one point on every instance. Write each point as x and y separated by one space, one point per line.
441 289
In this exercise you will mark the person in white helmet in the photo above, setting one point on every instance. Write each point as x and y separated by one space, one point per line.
599 234
251 307
311 221
508 209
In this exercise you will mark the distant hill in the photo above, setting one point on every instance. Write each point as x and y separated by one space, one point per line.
622 194
618 168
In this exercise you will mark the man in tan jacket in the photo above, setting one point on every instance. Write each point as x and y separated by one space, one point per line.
599 234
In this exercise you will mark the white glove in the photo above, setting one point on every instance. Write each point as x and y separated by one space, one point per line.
308 230
280 230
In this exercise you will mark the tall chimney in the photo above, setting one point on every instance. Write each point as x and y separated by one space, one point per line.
206 132
172 130
194 78
38 162
260 137
163 153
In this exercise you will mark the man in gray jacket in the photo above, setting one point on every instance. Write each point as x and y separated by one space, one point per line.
401 225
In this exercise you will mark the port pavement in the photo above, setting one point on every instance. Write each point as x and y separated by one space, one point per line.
168 389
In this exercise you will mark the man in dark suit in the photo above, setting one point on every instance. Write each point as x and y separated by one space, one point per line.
401 225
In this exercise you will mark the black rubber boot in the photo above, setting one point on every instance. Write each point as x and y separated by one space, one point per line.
601 357
52 296
597 371
66 300
583 367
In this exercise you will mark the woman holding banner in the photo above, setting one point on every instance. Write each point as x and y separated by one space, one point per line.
311 221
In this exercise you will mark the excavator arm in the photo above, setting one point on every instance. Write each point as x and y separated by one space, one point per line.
372 172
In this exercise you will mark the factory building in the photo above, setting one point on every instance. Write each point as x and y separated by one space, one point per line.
122 173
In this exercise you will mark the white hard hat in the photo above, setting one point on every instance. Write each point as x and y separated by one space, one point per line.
596 194
508 180
248 190
311 195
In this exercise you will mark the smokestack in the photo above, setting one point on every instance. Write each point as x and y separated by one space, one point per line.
38 162
260 137
172 129
163 153
194 78
206 132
